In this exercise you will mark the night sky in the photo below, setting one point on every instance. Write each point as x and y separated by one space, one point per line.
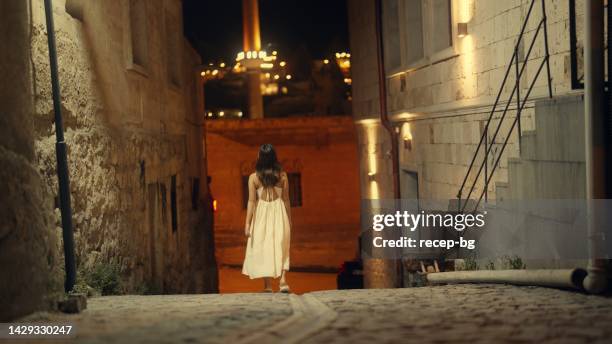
317 26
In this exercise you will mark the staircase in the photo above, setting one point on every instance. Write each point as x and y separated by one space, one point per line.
551 162
482 174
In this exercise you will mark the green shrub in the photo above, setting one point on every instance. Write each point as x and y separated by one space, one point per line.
514 263
106 278
471 264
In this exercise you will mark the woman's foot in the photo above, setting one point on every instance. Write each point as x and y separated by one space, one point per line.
284 287
267 290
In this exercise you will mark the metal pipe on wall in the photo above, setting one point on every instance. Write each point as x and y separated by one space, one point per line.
596 280
61 153
384 118
564 278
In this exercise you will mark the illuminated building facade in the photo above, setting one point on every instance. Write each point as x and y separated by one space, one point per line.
444 66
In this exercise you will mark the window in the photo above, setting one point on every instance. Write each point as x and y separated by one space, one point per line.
391 32
413 12
173 205
173 47
416 33
138 32
441 25
195 193
295 190
164 202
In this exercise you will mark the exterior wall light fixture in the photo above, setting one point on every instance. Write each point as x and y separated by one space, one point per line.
462 29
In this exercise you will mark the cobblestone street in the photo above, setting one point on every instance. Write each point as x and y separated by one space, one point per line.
442 314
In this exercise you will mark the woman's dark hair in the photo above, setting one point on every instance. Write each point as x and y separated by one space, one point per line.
267 167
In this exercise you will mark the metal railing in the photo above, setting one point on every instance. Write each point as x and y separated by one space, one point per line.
486 144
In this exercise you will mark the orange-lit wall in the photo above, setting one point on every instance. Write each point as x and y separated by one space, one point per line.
324 151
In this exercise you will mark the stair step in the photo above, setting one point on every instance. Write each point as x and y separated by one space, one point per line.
559 134
533 179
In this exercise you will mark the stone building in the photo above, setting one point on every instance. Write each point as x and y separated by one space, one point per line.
29 266
445 63
320 157
129 81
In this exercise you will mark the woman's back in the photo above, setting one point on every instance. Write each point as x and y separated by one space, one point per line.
276 181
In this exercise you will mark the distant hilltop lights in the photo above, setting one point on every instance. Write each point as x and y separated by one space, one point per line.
268 63
251 55
275 75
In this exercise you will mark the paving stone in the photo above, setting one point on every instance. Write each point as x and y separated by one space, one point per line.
467 313
441 314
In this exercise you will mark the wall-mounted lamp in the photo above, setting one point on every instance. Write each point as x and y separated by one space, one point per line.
462 29
371 176
408 143
406 134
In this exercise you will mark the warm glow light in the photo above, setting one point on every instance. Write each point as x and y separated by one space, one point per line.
240 114
214 205
282 63
284 90
221 113
222 64
203 73
274 52
262 54
210 114
372 168
405 132
215 72
348 55
348 81
337 55
267 75
276 77
326 61
240 56
267 65
288 77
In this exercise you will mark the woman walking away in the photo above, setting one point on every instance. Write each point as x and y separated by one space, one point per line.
268 221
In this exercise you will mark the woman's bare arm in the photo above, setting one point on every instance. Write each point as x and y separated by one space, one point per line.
285 196
250 205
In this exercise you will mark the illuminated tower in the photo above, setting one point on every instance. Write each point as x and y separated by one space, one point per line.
252 43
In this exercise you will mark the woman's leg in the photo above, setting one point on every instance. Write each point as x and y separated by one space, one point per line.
283 286
267 284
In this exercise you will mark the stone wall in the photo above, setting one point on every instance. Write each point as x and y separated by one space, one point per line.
131 129
323 151
29 263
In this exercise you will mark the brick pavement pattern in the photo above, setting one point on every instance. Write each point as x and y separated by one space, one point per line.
439 314
466 314
207 318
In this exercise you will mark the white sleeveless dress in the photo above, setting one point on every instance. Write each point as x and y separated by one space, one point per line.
267 252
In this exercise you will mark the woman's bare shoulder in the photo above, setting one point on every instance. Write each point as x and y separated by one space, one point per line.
253 178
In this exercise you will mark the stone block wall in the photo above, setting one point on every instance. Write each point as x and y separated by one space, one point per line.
130 131
30 279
